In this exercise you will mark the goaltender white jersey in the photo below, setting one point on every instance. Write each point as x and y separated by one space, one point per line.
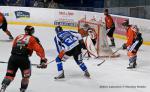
67 40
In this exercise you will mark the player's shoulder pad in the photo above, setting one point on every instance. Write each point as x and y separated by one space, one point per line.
37 39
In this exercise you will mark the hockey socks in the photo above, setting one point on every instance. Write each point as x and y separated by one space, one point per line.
59 64
81 65
24 84
5 83
112 42
132 62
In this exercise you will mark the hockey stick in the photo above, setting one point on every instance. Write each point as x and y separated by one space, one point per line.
110 56
7 62
39 66
101 62
3 62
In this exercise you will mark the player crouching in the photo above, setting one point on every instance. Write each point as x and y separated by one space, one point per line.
69 43
133 43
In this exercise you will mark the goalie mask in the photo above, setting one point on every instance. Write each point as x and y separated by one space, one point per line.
29 30
86 27
58 29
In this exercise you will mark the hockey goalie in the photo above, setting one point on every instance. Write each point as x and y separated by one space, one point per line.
90 38
95 39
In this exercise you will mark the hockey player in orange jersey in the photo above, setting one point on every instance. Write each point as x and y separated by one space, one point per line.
3 26
134 41
110 26
23 47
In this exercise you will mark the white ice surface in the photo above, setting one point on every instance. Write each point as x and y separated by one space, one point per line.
112 73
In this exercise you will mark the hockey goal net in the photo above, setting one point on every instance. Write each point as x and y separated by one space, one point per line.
102 48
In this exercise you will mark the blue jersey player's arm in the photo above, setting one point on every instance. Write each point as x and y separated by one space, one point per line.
76 34
79 37
58 44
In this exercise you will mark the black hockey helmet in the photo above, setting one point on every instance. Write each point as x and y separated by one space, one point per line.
125 23
29 30
106 12
58 29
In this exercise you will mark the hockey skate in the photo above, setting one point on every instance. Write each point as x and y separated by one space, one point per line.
60 76
11 38
112 45
132 65
22 90
87 74
3 88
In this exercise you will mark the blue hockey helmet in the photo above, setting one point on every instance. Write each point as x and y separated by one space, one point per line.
58 29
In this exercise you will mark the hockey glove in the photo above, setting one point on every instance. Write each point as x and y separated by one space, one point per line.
124 46
43 63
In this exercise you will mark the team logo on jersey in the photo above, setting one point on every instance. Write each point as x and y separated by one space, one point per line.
22 14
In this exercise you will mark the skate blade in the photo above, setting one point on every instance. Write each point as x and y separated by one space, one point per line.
62 79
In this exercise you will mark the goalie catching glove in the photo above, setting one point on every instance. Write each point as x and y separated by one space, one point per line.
43 63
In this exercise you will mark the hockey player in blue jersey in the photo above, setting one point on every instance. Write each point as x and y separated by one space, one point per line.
69 43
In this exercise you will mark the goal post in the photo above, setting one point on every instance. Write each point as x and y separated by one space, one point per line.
101 46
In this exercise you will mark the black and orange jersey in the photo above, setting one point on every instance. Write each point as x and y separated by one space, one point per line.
109 22
24 45
2 19
132 35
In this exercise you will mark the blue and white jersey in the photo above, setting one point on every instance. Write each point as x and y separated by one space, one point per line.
67 40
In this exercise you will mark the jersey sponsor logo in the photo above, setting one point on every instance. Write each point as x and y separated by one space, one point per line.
22 14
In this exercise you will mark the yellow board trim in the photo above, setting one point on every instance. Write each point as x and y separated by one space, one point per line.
124 38
66 27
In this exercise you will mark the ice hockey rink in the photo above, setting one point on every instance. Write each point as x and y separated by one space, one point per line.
111 76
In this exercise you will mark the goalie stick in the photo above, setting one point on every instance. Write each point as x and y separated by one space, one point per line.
110 56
